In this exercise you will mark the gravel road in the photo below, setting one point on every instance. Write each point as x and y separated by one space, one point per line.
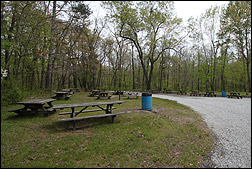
230 120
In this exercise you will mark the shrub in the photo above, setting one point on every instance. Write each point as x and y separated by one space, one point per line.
11 92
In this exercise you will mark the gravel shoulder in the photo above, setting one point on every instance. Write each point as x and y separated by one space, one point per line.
230 120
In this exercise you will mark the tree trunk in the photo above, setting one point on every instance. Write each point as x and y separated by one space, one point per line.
168 75
99 76
192 80
248 60
150 76
48 84
7 51
161 72
223 68
248 74
133 69
245 76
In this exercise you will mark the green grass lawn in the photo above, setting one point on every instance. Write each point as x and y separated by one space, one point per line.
171 135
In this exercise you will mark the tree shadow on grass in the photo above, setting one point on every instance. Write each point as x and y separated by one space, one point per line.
23 116
83 124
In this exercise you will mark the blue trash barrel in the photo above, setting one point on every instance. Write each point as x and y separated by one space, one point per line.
146 101
223 93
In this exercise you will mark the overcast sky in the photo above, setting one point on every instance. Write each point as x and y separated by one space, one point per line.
184 9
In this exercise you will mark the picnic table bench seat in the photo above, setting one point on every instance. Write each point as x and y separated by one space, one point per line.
23 111
103 97
94 116
19 110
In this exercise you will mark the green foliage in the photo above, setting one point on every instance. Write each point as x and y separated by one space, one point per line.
37 50
148 25
11 92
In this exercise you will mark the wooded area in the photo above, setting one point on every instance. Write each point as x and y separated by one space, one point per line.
51 45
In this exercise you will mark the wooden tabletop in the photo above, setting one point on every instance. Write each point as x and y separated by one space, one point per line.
66 90
61 92
85 104
234 93
36 101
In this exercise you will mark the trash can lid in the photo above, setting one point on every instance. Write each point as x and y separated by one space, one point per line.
146 94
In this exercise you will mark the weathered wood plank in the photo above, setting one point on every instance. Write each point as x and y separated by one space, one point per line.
95 116
85 104
16 110
36 101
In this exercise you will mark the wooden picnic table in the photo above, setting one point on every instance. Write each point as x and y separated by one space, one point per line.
95 93
234 94
132 95
69 91
35 106
182 92
195 93
210 94
117 92
73 113
61 95
103 95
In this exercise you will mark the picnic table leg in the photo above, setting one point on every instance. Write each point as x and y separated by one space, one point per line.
109 108
34 109
72 114
42 109
74 125
25 109
113 118
50 104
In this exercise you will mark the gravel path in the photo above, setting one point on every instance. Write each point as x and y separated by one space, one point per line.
230 120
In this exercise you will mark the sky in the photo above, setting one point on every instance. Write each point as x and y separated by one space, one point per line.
184 9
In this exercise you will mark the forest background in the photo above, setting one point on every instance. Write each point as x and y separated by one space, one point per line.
50 45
